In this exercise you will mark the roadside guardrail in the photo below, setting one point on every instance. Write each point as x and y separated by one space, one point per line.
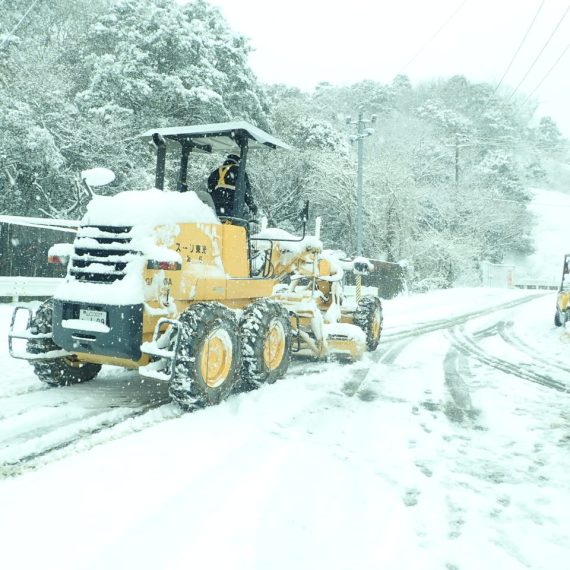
536 284
16 287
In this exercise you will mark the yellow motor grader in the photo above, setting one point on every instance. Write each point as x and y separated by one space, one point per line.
157 282
562 314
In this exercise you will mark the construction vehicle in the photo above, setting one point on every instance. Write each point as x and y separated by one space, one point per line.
562 314
157 282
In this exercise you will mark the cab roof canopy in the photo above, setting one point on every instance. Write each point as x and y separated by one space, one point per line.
217 137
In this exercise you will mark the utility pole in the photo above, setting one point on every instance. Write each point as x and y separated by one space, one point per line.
457 145
456 160
361 134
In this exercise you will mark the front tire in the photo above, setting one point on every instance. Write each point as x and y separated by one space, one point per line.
368 316
209 356
265 330
559 318
58 371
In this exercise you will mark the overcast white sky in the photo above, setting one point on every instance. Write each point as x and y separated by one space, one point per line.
304 42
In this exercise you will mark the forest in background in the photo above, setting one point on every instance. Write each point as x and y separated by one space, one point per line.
448 166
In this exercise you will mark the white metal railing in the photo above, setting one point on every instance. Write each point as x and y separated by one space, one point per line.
16 287
536 284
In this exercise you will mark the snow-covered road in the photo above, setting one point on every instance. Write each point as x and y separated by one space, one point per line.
447 448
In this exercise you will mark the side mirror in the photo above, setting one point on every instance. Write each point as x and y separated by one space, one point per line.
158 140
97 176
362 266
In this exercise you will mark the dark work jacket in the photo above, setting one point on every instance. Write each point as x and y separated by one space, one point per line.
222 187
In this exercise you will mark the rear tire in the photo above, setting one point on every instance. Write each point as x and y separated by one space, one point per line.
559 318
58 371
368 316
265 331
209 356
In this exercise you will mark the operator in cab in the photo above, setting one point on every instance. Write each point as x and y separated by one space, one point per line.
222 187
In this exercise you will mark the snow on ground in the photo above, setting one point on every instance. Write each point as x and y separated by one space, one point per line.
307 474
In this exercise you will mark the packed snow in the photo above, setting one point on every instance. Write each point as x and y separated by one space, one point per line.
378 464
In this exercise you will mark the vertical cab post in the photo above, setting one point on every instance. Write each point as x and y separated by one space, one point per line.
183 175
242 140
160 145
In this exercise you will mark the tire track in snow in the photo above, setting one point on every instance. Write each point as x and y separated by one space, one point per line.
82 433
453 361
467 345
505 330
23 392
65 416
441 324
398 341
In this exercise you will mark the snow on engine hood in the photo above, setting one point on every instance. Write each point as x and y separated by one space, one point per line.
153 215
148 207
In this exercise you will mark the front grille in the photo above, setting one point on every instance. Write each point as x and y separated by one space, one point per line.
101 253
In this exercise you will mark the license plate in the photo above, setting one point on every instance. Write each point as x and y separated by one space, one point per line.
93 316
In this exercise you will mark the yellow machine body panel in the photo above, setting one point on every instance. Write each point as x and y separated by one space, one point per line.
214 267
563 297
249 288
235 251
563 300
211 254
323 286
346 347
562 315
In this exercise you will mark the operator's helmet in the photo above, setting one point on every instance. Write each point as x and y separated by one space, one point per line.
233 158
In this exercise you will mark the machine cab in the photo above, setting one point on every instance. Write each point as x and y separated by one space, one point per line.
236 137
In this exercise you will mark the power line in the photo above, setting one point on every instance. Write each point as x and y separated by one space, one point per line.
548 73
519 48
15 28
540 53
439 30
